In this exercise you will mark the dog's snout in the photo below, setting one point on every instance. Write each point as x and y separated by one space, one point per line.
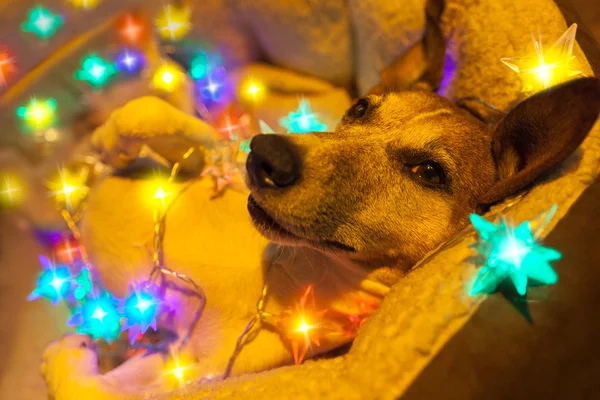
274 161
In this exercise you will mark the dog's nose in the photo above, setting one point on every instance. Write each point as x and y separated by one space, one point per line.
274 161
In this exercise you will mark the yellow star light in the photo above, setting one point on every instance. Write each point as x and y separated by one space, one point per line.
173 22
179 369
252 90
69 189
167 78
10 190
548 67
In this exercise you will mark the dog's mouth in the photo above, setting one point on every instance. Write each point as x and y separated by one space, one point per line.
273 230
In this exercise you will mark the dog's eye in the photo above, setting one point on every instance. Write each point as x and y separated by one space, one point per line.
430 172
359 109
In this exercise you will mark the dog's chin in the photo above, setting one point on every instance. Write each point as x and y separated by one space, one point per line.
274 231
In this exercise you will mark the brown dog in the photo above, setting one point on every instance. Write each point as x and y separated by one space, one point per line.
348 212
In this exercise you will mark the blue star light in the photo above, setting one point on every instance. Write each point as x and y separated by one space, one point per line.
130 60
98 317
214 86
54 284
303 120
140 310
511 253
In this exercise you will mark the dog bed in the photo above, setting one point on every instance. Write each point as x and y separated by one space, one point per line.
429 307
411 345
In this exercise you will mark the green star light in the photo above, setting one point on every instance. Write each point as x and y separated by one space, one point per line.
95 71
303 120
511 253
42 22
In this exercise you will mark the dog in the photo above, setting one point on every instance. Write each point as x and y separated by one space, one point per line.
348 212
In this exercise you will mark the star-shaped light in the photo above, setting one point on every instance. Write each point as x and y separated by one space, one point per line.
161 195
303 120
215 86
131 28
54 282
98 317
38 113
252 90
130 60
141 309
511 253
69 189
95 71
167 78
548 67
10 190
42 22
173 22
8 66
87 4
179 368
302 325
67 251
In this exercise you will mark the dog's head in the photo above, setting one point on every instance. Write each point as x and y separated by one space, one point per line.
403 171
405 167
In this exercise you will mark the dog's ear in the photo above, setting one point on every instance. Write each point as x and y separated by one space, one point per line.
541 132
422 65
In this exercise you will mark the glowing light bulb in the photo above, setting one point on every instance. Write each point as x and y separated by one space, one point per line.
42 22
303 327
161 195
167 78
173 22
86 4
95 71
8 66
38 114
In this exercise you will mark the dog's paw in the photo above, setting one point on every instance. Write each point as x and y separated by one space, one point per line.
154 123
68 365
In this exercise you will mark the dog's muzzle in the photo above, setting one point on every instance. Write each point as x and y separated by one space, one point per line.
273 162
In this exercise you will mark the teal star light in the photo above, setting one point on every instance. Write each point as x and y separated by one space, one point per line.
303 120
512 253
95 71
54 284
42 22
98 317
141 309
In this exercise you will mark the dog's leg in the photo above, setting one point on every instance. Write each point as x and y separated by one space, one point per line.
70 368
